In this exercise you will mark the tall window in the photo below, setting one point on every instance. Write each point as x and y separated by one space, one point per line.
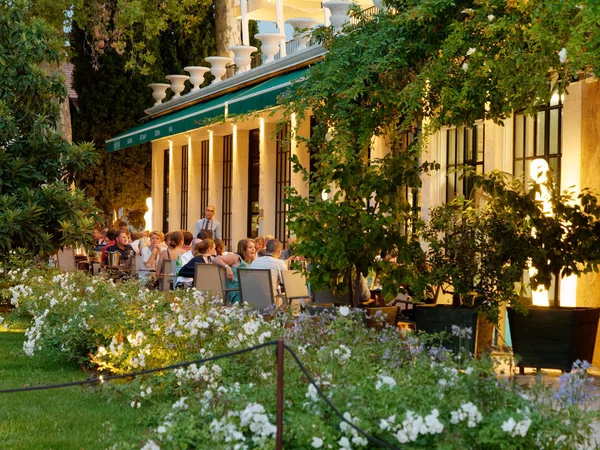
253 182
184 186
283 175
227 185
203 176
539 136
165 223
464 147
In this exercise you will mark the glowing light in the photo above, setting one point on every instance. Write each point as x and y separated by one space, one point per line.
148 215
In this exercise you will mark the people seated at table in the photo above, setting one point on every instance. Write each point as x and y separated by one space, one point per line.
259 243
220 247
98 238
203 253
187 240
120 246
135 242
150 254
110 240
272 262
174 249
231 262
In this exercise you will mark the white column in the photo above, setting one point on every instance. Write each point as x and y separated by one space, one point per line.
280 26
171 188
245 36
239 190
266 196
215 175
158 149
299 148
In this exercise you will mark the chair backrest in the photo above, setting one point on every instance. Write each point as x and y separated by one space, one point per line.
294 284
256 287
327 297
208 277
168 274
136 264
66 259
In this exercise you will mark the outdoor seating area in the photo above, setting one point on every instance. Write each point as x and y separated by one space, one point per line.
261 288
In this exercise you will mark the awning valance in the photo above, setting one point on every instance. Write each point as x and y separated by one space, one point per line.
246 100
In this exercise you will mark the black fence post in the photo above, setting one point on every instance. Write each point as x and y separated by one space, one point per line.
279 419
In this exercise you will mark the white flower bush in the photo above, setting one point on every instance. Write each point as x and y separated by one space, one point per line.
397 388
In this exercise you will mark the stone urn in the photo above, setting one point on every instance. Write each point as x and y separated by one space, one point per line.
242 56
379 5
270 44
339 13
218 66
301 23
159 92
177 84
196 76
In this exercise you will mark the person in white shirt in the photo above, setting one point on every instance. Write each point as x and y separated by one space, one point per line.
211 227
271 261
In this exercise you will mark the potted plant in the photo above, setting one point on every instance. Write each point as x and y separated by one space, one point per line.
474 254
481 255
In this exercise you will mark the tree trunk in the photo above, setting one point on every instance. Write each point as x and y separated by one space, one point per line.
227 28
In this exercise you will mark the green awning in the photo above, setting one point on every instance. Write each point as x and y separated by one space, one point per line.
253 98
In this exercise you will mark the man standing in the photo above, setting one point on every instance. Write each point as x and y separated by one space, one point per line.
121 246
211 227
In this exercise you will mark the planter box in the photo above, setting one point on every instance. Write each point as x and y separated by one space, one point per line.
438 318
553 338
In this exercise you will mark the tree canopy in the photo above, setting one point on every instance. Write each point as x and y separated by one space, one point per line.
429 62
39 210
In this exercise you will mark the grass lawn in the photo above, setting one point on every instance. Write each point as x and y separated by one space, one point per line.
59 419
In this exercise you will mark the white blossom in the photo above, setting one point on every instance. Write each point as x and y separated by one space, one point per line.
385 380
344 310
151 445
465 66
562 55
470 51
316 442
491 17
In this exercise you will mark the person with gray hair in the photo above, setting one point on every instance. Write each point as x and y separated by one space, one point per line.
272 262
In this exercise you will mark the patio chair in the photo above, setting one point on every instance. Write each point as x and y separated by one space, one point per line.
66 259
135 265
168 275
210 278
295 288
256 288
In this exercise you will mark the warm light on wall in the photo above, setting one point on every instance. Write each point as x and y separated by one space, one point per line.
538 168
148 215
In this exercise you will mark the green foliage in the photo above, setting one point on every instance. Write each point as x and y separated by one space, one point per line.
439 62
129 27
69 419
477 253
112 99
39 210
399 388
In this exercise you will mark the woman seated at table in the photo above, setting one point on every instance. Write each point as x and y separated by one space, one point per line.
150 254
203 253
172 252
231 262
